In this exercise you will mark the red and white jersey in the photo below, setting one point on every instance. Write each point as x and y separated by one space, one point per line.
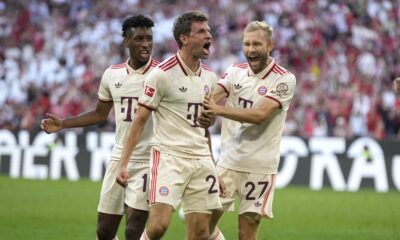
249 147
123 86
176 94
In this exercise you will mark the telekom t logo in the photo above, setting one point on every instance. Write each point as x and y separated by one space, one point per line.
245 103
128 111
194 111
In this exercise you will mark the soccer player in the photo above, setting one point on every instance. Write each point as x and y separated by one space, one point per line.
121 86
396 84
257 95
182 169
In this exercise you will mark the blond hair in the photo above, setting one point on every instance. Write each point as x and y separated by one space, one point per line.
257 25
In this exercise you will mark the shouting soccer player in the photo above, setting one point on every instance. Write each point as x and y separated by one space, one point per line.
182 169
258 95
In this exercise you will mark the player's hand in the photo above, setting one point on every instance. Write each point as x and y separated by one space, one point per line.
396 84
122 177
210 107
51 124
206 120
222 187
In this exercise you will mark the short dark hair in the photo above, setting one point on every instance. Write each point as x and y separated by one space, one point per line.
136 21
183 24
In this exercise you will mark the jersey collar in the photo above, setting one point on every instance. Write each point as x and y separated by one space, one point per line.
186 69
265 72
141 70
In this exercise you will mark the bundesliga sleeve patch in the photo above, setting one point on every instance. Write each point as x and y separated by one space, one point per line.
149 91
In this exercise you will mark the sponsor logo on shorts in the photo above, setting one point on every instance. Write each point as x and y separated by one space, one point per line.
262 90
163 191
257 204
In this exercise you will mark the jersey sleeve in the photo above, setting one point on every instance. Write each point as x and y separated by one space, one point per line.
283 90
213 82
153 90
226 80
104 92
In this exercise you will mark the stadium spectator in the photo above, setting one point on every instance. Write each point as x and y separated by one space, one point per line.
333 47
121 86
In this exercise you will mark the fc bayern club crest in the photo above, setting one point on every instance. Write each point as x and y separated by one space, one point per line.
206 89
163 191
262 90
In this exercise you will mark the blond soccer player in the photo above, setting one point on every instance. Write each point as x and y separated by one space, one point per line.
121 86
258 94
182 169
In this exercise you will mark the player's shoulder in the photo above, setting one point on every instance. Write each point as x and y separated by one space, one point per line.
154 63
117 66
151 66
280 70
206 68
116 69
282 73
236 68
168 64
239 66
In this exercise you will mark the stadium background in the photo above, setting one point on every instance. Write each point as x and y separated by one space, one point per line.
344 54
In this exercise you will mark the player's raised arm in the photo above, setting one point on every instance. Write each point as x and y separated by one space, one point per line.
130 143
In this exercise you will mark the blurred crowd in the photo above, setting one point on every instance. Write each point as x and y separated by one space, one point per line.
344 54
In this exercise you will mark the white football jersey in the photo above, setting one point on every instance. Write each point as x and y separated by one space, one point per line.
123 86
249 147
176 94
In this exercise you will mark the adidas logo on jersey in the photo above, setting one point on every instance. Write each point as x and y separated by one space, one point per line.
257 204
118 85
237 86
183 89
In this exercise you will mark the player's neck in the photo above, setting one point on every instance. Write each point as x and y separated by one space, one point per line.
269 60
135 65
190 61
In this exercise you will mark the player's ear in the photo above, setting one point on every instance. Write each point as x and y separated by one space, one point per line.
125 42
184 39
271 45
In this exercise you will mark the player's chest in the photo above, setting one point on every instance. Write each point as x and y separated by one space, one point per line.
249 91
126 87
188 89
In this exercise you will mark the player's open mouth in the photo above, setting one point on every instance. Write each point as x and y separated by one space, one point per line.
254 59
207 46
